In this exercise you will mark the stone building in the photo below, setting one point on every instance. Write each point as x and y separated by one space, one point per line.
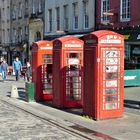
25 14
4 28
64 17
36 21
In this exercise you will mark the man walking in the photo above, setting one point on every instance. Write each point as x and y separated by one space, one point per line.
4 70
17 66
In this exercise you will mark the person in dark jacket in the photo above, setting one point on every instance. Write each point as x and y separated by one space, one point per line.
4 69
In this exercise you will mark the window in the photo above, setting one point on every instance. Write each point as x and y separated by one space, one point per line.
26 4
38 36
8 13
40 6
20 10
20 34
26 8
75 13
3 36
26 30
8 35
14 35
66 17
14 12
104 8
33 7
50 20
125 10
58 18
86 17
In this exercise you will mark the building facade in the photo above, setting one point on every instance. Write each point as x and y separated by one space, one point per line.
64 17
24 30
123 17
4 28
36 20
19 28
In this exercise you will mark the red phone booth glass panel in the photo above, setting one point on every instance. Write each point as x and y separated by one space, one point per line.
42 69
67 72
103 74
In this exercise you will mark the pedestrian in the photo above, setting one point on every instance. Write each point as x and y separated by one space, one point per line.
4 70
28 71
17 66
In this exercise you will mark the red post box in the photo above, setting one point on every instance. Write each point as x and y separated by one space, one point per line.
67 72
42 69
103 74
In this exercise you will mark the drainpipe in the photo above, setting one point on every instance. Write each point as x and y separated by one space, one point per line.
95 2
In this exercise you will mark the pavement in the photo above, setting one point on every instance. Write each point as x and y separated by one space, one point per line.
125 128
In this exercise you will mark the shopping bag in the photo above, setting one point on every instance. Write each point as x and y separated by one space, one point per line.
13 72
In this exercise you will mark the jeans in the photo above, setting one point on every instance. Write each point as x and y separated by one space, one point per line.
17 74
4 75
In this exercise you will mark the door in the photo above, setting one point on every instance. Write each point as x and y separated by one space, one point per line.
47 75
73 76
112 81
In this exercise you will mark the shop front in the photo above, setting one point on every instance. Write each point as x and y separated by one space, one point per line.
132 58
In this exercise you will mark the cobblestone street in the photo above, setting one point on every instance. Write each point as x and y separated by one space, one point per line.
19 125
21 120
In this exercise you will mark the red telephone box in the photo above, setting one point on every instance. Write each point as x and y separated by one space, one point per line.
67 72
103 74
42 69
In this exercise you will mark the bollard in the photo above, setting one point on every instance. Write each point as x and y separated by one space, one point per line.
14 91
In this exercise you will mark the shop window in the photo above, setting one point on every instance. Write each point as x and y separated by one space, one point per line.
132 57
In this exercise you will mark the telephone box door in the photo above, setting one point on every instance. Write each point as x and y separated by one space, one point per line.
111 99
73 78
46 76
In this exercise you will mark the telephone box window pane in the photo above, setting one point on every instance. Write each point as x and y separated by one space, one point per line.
110 76
111 68
112 54
73 94
73 61
112 61
110 106
47 61
111 91
112 83
74 55
111 98
47 55
47 87
47 78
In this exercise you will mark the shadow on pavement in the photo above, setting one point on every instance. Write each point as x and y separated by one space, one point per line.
132 104
21 93
77 111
